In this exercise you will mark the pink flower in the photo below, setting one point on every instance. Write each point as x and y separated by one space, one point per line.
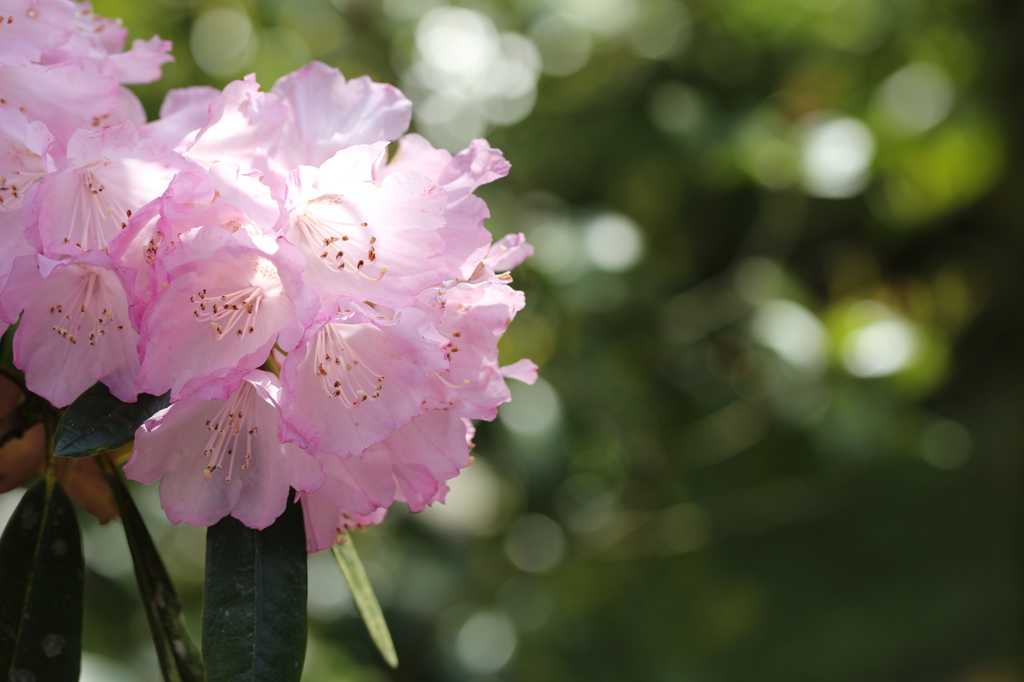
357 377
230 296
223 457
180 255
475 318
23 163
75 329
363 240
466 239
107 176
221 197
412 464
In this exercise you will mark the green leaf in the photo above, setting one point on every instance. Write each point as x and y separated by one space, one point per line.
254 603
365 600
41 575
179 657
7 346
97 421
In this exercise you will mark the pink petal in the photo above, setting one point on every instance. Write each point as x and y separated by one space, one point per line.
522 370
143 62
107 176
74 330
460 175
217 457
225 305
325 522
89 93
244 124
508 252
425 453
183 113
358 485
327 114
364 241
332 401
35 26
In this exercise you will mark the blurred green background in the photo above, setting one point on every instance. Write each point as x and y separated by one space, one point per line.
776 302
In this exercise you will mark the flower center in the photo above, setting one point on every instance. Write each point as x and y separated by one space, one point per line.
339 248
96 215
234 313
86 312
231 430
340 371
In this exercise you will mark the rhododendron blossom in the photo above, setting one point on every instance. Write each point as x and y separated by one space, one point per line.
322 303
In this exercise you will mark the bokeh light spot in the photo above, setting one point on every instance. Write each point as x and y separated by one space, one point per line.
836 158
564 46
536 544
917 97
533 411
613 242
456 40
473 504
793 332
880 348
222 41
486 642
945 444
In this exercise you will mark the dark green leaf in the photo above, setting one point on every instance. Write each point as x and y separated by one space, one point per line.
98 421
365 600
178 655
7 347
41 574
254 603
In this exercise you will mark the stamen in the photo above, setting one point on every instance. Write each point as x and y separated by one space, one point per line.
96 217
82 321
235 313
341 372
228 427
324 238
465 382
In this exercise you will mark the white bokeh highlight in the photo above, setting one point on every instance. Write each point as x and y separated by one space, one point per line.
486 642
916 98
222 41
836 157
793 332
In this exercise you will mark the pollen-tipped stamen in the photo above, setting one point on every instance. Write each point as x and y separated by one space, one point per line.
234 417
334 244
77 317
229 314
341 372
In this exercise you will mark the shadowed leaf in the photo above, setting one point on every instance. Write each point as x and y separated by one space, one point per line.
254 605
179 657
97 421
41 575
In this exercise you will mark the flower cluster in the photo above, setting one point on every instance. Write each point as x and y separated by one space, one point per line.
325 317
